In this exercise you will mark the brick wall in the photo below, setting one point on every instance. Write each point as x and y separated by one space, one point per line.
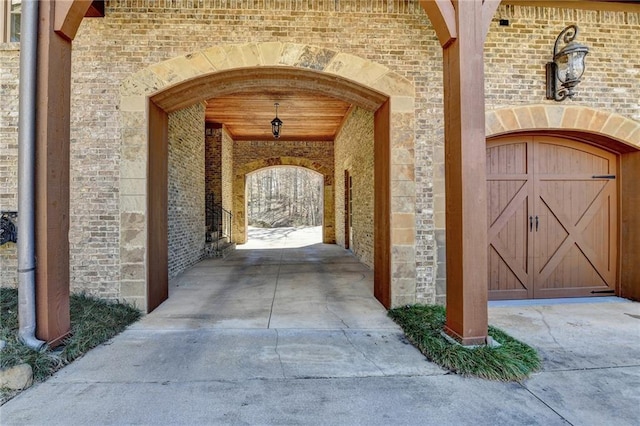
135 34
227 167
186 188
515 56
213 159
354 153
9 69
219 167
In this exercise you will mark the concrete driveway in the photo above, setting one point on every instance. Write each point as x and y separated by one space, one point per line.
286 331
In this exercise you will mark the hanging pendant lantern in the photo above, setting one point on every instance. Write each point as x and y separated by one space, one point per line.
276 124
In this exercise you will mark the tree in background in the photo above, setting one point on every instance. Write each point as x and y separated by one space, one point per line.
284 196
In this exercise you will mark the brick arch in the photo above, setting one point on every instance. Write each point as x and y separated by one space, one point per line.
147 96
565 119
240 202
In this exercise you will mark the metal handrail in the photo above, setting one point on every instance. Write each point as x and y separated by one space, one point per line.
219 221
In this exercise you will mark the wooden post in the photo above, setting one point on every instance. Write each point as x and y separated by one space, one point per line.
461 27
52 165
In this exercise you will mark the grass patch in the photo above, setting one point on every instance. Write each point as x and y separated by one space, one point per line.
93 321
512 361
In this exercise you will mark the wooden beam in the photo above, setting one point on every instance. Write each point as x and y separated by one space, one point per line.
96 10
52 179
443 18
465 177
69 15
382 205
630 226
489 8
157 202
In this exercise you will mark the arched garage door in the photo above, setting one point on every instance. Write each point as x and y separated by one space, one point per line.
552 218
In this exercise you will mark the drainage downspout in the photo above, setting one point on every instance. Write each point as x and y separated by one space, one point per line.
26 175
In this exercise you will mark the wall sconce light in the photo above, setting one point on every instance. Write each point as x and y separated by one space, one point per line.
276 124
567 66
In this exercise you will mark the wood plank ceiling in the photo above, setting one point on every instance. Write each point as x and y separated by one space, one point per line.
306 116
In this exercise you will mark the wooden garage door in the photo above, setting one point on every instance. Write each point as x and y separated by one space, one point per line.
552 218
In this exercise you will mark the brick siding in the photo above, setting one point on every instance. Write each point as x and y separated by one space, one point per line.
397 34
186 188
354 153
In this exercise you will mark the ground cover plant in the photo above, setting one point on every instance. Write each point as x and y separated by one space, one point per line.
93 321
511 361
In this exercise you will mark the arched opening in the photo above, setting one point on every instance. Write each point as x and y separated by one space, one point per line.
240 204
284 206
150 95
284 196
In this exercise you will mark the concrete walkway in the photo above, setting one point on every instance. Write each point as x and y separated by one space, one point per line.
292 335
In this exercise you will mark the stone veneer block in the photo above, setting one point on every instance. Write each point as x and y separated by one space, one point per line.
403 188
143 83
132 238
133 203
402 204
402 269
402 236
348 66
523 115
402 299
626 129
133 103
132 254
315 58
598 121
405 285
290 53
508 119
133 169
130 186
394 83
133 152
403 105
132 271
635 136
270 52
217 56
129 288
189 66
439 217
492 125
250 55
132 220
403 254
403 220
133 120
539 116
570 117
402 156
613 124
584 118
554 116
403 172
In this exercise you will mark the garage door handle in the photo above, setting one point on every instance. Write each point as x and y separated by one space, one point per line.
530 223
536 223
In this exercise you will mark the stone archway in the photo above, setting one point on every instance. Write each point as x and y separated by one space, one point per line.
150 94
608 130
601 125
240 202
